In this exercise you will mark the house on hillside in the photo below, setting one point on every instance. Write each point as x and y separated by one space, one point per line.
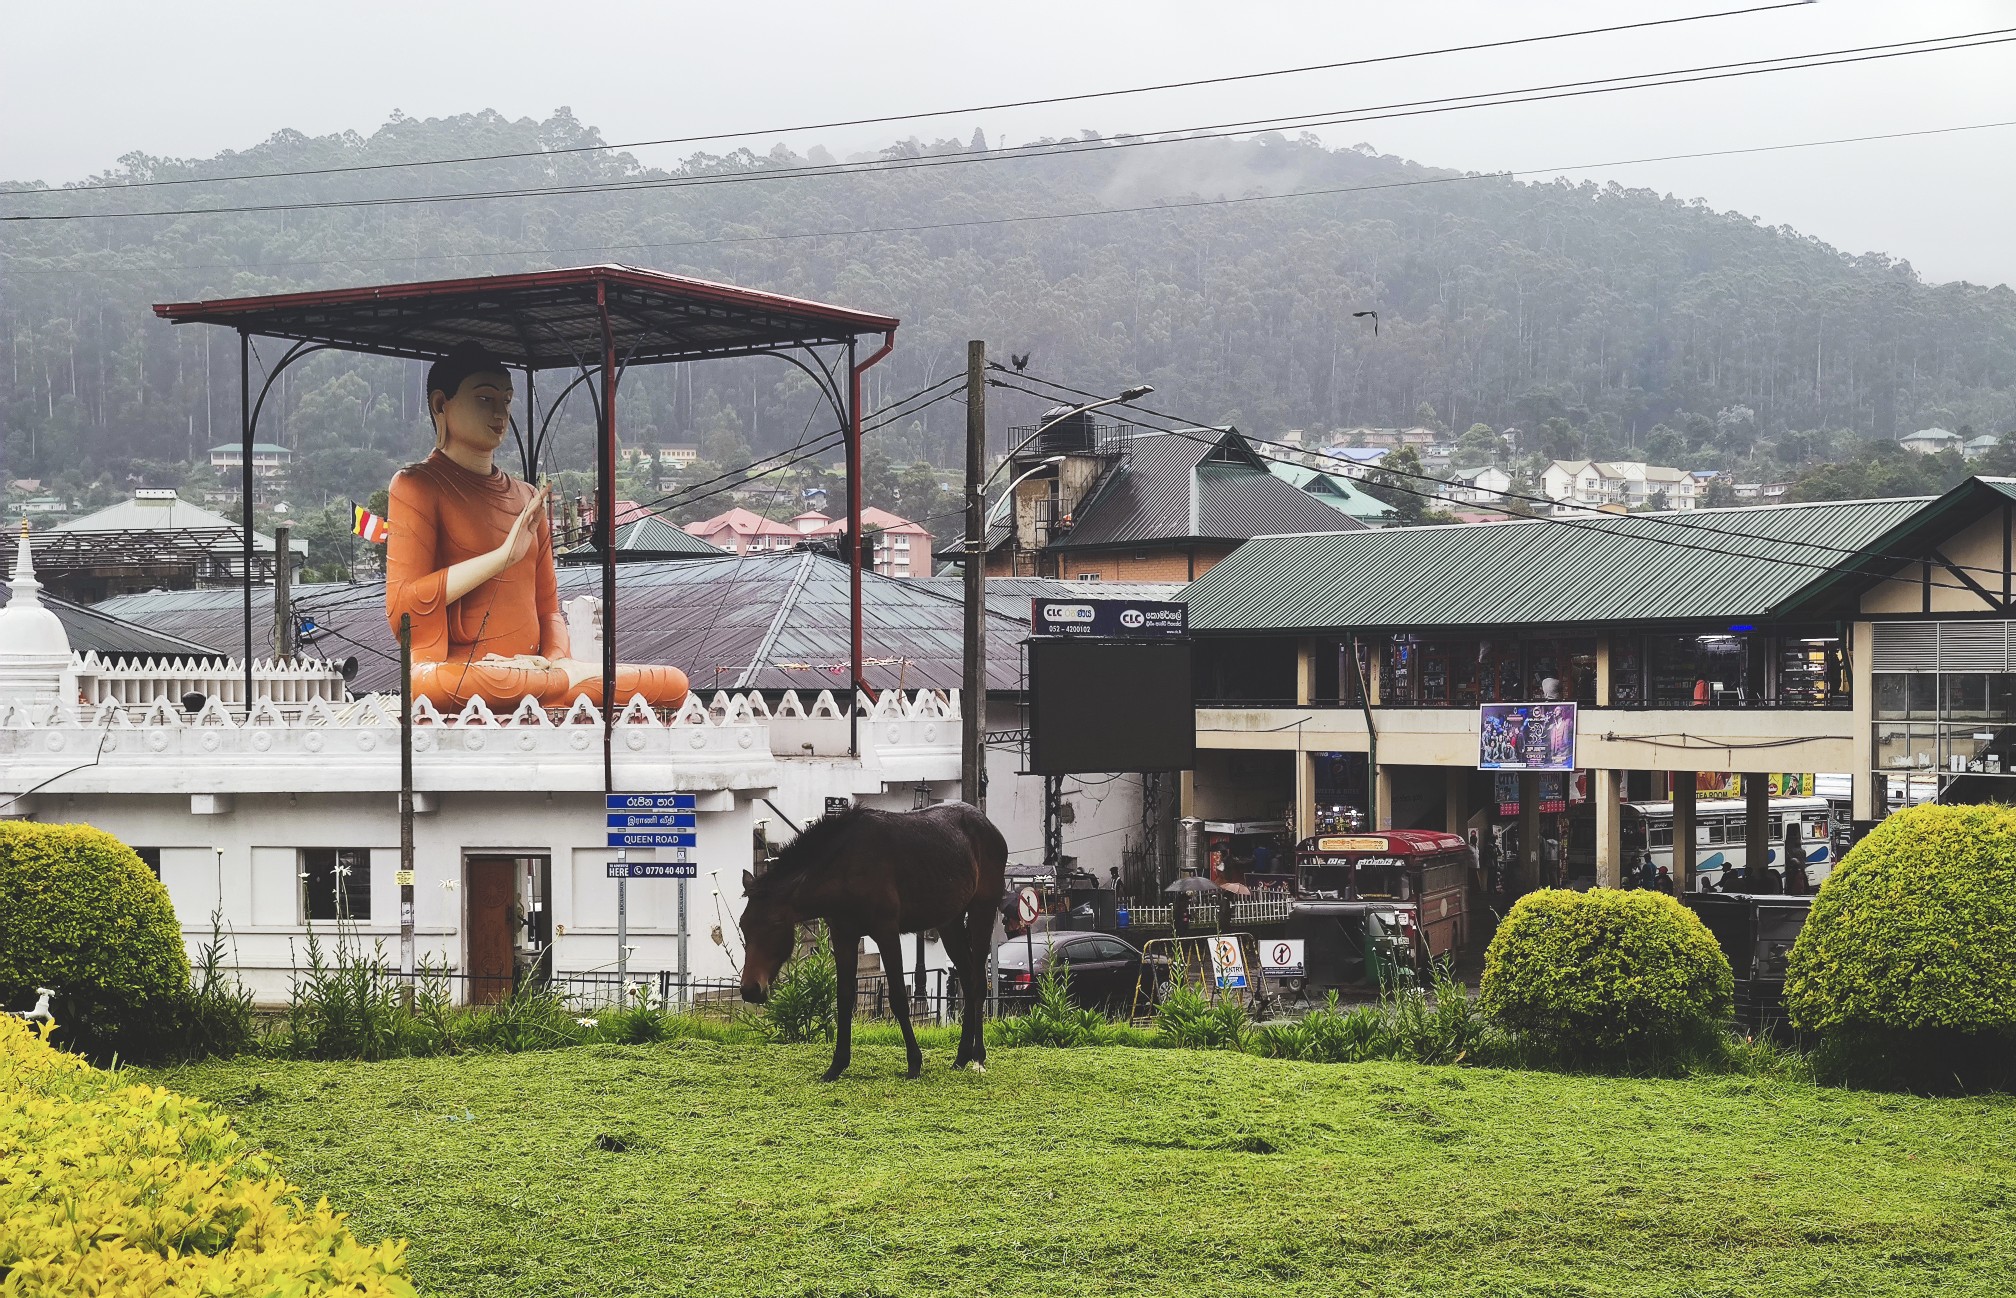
1978 446
1093 503
1930 441
269 466
1484 484
1610 485
1352 461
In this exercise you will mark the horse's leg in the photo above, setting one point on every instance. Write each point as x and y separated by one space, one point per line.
890 944
979 946
953 935
847 963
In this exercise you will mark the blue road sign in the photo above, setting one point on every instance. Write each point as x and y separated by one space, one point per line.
653 869
651 802
652 820
653 838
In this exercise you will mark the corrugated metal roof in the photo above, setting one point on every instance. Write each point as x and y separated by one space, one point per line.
651 536
167 514
1204 484
764 621
1625 568
1010 597
91 629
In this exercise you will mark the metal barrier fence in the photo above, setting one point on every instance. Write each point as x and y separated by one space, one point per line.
592 991
1247 912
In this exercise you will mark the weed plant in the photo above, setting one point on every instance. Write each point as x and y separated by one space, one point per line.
804 1002
1053 1020
219 1022
1187 1020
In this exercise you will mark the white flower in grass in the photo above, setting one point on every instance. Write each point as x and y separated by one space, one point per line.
587 1022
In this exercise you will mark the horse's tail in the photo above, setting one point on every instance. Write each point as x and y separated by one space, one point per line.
990 853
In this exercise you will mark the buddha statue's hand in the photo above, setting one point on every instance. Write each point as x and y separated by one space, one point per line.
518 542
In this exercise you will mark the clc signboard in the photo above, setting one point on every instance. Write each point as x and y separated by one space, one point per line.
1527 737
1117 618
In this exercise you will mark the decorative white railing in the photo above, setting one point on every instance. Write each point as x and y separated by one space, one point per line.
289 685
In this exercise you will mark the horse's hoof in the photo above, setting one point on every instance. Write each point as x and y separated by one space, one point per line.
830 1075
977 1066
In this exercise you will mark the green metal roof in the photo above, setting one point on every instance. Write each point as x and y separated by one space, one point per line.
1697 564
1916 536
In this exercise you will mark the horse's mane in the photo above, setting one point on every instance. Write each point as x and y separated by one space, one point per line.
812 845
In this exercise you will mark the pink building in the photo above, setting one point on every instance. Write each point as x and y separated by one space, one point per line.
743 531
902 548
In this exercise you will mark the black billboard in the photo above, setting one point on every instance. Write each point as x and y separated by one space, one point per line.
1124 618
1110 705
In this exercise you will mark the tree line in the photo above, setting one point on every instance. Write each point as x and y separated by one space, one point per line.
1599 321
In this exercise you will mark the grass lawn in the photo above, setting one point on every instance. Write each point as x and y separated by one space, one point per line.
702 1168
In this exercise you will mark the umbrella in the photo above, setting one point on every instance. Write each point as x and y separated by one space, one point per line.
1191 883
1236 889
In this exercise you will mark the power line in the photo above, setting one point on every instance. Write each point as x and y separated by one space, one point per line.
1547 502
1490 99
1146 208
941 112
1189 433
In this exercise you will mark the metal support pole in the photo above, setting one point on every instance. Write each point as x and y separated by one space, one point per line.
1053 822
973 680
406 959
853 458
245 486
622 914
685 991
605 540
283 591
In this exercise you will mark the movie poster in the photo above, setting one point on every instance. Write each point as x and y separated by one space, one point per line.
1527 737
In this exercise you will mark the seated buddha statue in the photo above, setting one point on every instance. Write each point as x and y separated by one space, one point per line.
471 560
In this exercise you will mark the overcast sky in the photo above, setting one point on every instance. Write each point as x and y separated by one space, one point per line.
82 83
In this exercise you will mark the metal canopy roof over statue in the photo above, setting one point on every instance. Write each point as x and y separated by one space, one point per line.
596 321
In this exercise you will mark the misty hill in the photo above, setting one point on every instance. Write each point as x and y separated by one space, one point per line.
1602 318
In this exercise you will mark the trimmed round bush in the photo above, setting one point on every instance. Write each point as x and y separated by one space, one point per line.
81 913
1911 946
1606 975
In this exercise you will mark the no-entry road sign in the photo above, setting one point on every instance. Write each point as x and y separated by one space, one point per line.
1281 957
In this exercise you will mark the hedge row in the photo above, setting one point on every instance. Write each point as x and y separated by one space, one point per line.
127 1191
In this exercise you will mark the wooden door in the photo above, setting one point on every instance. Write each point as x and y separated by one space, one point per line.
491 891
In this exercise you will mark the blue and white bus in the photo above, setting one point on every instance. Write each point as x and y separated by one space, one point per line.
1720 827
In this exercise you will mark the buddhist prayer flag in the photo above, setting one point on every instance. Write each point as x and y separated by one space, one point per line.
368 525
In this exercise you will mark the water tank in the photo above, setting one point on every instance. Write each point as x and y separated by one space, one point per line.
1070 435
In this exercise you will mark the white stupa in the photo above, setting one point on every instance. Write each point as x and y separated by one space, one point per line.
34 648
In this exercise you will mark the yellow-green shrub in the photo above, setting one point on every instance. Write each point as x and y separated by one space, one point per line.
1916 929
1605 974
81 913
118 1190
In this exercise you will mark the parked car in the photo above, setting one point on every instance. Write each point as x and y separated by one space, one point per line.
1105 970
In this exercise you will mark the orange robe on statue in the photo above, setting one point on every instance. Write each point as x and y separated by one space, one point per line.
442 514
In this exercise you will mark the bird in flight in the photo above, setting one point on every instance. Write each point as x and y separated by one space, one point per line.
1019 362
1360 315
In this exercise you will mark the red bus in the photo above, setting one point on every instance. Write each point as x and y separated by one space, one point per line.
1376 906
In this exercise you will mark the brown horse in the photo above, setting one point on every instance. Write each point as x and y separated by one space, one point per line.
881 874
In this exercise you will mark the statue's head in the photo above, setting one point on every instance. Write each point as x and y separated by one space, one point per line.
469 399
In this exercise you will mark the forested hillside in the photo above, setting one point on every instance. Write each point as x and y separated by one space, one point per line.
1603 320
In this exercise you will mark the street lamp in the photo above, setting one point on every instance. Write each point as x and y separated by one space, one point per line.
1008 495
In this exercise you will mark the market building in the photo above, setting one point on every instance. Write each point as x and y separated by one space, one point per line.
1862 648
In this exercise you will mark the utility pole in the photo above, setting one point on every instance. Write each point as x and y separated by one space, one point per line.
973 713
405 875
283 591
973 691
